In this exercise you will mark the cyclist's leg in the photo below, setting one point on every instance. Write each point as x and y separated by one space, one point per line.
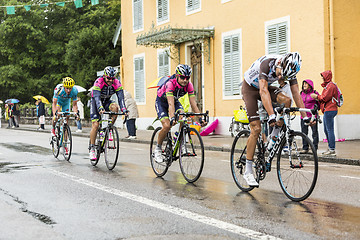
162 109
95 118
113 107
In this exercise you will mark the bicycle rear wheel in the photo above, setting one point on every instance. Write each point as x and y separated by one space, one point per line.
191 155
238 160
111 147
159 169
55 143
297 173
67 143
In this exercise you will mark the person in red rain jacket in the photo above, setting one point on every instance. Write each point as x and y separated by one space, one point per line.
329 108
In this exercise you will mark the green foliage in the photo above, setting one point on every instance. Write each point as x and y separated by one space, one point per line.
41 46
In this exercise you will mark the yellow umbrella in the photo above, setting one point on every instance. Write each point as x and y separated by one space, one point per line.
43 99
155 83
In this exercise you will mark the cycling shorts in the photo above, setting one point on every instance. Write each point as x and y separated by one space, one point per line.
251 95
162 107
94 113
64 105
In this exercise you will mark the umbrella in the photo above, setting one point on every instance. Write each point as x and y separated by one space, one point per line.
157 82
43 99
1 101
12 100
80 88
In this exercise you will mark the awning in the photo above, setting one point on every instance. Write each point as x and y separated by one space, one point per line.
173 37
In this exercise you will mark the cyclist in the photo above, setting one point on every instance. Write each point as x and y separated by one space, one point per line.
258 78
63 93
104 87
167 103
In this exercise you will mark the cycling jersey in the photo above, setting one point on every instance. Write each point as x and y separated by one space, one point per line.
173 88
264 68
102 93
63 99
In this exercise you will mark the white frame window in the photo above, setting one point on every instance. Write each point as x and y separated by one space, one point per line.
138 15
163 61
277 34
192 6
162 11
139 79
232 64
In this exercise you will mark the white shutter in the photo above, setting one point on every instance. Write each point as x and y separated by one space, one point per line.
192 5
163 62
162 6
277 38
232 65
138 9
139 79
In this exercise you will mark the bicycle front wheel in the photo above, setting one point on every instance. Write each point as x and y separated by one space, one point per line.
191 155
111 147
159 169
55 143
238 160
297 173
67 143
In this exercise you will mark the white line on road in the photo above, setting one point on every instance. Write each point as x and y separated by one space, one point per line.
357 178
248 233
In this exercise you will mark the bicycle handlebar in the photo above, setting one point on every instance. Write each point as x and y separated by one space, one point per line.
189 114
279 111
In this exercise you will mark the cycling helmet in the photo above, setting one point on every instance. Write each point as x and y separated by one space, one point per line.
110 72
68 82
291 64
183 70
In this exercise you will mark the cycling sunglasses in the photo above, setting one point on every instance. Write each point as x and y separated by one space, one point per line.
110 78
185 77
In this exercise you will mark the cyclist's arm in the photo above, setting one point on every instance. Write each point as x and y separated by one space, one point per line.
54 103
297 98
75 106
121 101
96 94
193 104
265 96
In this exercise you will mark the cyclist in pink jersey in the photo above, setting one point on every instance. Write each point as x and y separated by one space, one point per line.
167 102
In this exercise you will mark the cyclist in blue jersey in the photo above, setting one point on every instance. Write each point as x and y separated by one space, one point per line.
63 93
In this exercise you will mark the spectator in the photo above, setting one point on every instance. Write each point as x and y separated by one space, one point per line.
11 115
81 114
40 112
329 108
7 115
309 102
16 113
132 115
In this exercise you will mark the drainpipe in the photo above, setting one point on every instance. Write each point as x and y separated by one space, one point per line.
332 54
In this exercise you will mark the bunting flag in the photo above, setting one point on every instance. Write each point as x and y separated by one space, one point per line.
78 4
10 10
94 2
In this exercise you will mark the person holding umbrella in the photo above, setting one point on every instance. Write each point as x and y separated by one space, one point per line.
40 110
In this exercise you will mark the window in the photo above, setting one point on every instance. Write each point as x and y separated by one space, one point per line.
163 63
139 78
138 15
162 11
277 36
193 6
232 75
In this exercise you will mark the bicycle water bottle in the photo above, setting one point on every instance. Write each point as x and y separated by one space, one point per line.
271 143
105 118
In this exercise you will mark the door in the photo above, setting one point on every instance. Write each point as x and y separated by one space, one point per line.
196 66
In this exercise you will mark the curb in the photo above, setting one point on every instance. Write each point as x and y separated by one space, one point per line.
345 161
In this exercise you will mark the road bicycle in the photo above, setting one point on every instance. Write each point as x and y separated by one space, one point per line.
297 174
107 141
239 122
188 147
62 139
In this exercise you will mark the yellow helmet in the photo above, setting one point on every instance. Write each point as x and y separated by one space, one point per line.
68 82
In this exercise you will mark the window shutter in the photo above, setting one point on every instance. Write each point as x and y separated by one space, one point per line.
139 80
162 10
163 60
232 65
277 36
192 5
138 21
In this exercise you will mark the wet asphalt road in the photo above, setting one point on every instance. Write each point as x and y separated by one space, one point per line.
46 198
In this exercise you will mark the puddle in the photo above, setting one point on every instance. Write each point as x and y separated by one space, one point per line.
7 167
24 147
41 217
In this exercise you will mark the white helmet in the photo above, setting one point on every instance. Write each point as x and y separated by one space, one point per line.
291 64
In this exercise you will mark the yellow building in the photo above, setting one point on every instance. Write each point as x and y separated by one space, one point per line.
220 39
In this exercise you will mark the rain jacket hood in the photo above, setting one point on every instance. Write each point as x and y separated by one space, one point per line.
330 91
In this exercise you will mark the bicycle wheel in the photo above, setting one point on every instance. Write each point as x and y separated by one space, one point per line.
111 147
297 173
191 158
55 143
67 143
238 160
159 168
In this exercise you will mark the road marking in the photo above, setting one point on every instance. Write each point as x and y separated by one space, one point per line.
248 233
357 178
225 161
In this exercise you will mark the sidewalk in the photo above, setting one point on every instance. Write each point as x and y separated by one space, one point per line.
347 152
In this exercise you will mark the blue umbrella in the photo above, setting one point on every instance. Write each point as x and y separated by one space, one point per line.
12 100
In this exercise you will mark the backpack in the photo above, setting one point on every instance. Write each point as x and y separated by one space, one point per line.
340 99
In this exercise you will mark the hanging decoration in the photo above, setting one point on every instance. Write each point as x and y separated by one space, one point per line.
78 4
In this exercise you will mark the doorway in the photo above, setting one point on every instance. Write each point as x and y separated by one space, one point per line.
196 65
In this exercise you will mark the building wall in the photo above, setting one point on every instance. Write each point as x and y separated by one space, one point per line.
309 34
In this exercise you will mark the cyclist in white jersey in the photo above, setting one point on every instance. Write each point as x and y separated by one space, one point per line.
256 86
